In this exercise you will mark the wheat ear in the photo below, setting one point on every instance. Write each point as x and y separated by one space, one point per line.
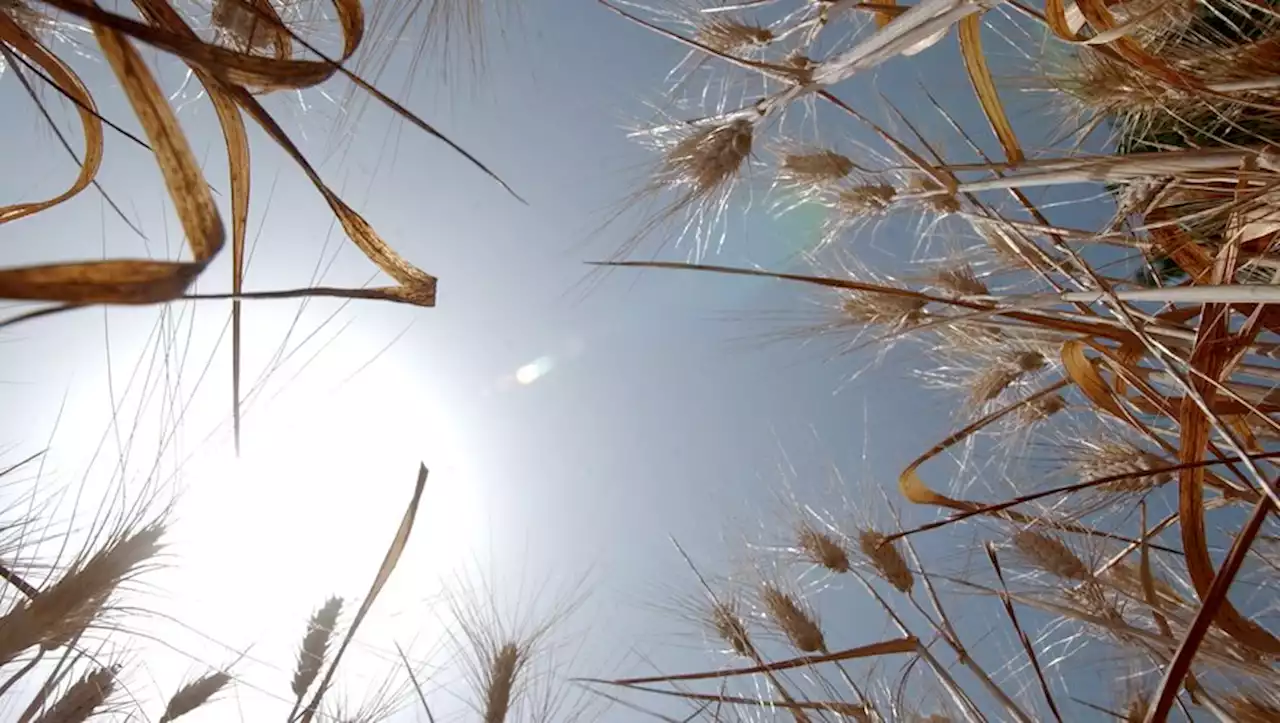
194 694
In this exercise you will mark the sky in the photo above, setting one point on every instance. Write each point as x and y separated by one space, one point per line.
573 426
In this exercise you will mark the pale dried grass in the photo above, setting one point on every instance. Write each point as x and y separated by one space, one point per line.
1049 338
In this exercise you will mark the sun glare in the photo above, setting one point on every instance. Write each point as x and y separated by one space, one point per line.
309 507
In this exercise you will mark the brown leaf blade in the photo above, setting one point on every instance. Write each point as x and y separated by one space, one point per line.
975 62
906 644
15 37
388 566
191 195
100 282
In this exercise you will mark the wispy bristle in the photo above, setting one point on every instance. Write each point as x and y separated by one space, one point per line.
822 549
315 645
886 559
1050 554
194 694
70 606
83 698
793 619
731 37
501 680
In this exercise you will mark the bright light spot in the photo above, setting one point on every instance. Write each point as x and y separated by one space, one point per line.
308 509
534 370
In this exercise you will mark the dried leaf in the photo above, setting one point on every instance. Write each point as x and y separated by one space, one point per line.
15 37
388 566
975 63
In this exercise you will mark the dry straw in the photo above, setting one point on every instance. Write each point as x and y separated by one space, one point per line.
256 51
1130 289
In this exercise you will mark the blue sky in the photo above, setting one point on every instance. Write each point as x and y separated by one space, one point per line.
662 410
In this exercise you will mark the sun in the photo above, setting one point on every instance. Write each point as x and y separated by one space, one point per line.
311 503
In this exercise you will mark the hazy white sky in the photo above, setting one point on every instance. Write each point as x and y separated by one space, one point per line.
567 435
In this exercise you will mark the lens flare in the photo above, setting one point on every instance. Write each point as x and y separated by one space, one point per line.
534 370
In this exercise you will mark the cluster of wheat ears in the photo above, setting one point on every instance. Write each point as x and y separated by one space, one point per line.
1146 530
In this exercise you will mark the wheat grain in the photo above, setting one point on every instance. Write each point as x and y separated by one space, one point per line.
991 382
83 698
872 308
886 559
501 679
730 36
707 159
864 200
1110 458
959 280
823 549
814 170
1126 577
1050 554
729 625
194 695
794 619
1001 373
1039 410
934 195
315 645
70 606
